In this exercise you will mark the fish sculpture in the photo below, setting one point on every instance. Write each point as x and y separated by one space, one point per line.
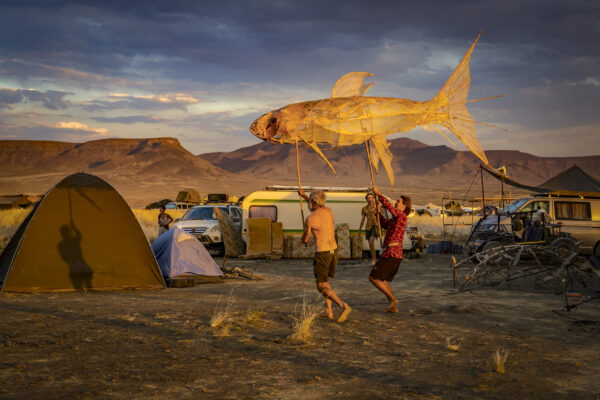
349 118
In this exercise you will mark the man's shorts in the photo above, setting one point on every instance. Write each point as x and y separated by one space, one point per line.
373 232
386 268
325 263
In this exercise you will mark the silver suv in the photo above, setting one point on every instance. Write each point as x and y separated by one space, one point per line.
202 222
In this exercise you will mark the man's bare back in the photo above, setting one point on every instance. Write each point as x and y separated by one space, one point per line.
322 225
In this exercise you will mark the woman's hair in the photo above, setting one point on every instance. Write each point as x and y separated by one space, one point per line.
408 203
318 197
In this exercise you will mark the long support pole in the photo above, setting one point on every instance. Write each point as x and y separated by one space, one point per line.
299 186
372 187
482 191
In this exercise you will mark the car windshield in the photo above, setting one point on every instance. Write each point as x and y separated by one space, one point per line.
514 206
202 213
170 206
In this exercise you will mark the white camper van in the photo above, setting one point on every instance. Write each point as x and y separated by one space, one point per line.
281 204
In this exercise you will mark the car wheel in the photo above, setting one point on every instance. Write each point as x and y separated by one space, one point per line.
597 249
564 246
492 244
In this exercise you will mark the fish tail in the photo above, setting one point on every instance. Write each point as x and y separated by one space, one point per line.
450 106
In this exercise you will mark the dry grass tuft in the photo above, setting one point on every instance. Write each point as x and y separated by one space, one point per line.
221 317
500 357
304 319
254 317
453 343
10 220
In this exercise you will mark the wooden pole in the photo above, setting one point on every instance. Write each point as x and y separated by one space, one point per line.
372 187
443 217
482 191
299 187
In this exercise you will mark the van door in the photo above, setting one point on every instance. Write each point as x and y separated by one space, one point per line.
576 217
529 212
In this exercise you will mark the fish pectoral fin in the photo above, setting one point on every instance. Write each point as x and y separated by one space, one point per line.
319 152
352 84
374 159
382 148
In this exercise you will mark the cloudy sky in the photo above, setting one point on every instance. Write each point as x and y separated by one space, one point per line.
202 71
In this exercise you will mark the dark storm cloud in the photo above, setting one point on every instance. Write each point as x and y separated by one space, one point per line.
282 39
51 99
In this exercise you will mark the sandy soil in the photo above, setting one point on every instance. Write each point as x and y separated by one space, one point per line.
159 344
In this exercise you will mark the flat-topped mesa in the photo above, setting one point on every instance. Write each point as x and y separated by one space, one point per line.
149 156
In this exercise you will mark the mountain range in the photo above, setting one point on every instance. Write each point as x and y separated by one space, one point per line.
144 170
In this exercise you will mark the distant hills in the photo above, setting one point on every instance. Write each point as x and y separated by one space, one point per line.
135 157
145 170
412 159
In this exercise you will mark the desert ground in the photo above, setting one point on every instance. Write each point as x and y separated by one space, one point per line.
160 344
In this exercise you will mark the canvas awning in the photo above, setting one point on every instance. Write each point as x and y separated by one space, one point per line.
571 182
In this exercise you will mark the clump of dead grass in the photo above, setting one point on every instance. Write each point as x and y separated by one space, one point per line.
221 317
304 319
500 357
10 220
254 316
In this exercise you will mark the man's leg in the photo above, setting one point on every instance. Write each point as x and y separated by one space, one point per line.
386 289
329 294
372 248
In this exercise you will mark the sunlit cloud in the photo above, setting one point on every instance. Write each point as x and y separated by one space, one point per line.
132 119
78 126
117 101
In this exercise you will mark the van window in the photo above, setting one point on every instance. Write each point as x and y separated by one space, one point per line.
235 213
263 212
534 206
571 210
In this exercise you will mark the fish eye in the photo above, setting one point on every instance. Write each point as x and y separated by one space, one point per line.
272 120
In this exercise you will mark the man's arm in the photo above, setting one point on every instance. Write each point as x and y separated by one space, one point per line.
307 230
303 195
384 201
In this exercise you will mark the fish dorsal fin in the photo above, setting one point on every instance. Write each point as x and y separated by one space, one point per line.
352 84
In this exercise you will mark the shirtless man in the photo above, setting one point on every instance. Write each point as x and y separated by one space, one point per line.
321 224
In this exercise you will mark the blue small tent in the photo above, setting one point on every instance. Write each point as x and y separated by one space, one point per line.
178 253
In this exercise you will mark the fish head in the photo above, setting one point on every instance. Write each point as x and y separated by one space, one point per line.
269 127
